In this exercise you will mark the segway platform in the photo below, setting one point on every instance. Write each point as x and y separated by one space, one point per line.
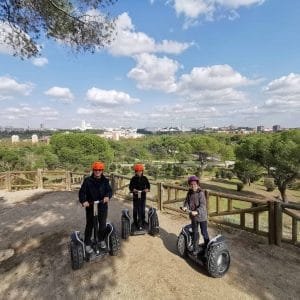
129 228
215 257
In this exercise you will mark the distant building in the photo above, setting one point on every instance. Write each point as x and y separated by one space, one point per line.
276 128
15 139
260 128
34 139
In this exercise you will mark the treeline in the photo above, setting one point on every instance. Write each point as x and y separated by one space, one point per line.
275 155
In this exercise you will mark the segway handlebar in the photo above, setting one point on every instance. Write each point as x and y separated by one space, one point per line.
185 209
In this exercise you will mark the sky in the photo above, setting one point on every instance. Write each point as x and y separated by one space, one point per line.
190 63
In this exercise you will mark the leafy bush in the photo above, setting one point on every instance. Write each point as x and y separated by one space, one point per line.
239 186
269 184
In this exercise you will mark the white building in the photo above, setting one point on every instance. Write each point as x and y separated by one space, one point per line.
34 139
15 139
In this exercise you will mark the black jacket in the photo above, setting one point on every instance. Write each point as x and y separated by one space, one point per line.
93 189
139 183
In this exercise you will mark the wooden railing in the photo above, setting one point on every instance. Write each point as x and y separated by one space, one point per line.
266 218
276 220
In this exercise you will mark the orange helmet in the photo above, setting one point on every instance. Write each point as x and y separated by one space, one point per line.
98 165
138 167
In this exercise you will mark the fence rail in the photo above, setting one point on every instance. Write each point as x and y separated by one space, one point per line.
278 221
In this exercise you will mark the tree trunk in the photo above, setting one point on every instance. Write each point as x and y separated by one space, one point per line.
282 190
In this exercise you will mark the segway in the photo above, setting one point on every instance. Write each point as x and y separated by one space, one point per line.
128 227
77 245
214 257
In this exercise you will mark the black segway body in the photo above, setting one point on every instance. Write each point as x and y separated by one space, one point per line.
128 227
214 257
77 245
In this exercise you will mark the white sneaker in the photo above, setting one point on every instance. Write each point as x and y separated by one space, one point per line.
102 245
88 249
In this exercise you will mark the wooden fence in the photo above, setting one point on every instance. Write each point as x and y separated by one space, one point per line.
276 220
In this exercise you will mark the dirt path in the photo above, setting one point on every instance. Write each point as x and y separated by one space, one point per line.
35 263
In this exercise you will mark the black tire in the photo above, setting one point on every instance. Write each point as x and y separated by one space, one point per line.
77 256
114 244
154 224
218 260
181 245
125 224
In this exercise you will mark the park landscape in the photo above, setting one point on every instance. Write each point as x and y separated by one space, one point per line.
41 209
201 84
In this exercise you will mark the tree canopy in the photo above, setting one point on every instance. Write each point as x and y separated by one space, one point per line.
77 23
279 154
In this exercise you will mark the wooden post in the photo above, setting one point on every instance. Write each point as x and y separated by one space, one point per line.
68 180
229 204
294 230
242 220
206 192
217 204
113 183
8 181
271 223
169 194
255 219
39 178
176 194
159 196
278 223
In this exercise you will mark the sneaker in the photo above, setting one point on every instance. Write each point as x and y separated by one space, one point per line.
88 249
102 245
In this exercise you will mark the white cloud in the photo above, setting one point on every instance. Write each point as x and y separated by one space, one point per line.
92 111
284 93
193 9
128 42
60 93
40 61
27 112
216 85
213 78
152 72
9 88
109 97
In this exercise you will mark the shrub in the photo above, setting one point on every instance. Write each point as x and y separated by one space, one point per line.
269 184
239 186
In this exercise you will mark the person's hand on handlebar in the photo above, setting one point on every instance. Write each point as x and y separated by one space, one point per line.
105 199
85 204
184 208
194 213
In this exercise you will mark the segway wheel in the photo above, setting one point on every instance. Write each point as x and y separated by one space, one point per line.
125 224
114 244
218 260
181 245
77 256
154 224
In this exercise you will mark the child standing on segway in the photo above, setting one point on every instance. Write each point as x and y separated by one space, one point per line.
139 186
95 188
196 202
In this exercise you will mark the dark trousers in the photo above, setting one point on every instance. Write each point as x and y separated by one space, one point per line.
204 232
139 211
102 217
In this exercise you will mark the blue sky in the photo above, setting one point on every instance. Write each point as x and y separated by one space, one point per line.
174 62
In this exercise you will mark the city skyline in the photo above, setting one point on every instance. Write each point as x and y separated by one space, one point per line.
178 62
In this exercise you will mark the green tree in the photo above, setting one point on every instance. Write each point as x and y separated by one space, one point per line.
247 171
80 149
279 154
27 22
